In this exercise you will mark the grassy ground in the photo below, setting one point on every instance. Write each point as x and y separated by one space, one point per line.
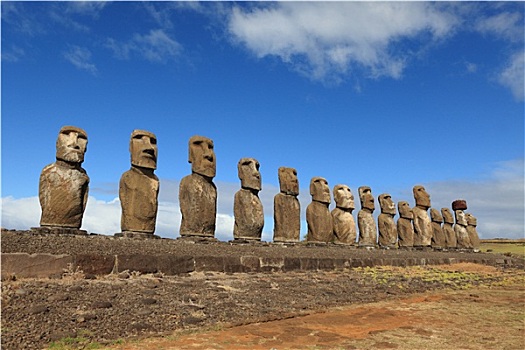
516 248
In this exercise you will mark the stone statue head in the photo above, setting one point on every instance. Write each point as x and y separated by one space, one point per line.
143 149
471 220
461 218
71 144
404 210
366 198
448 218
248 169
435 215
421 196
202 156
288 181
319 190
343 197
387 204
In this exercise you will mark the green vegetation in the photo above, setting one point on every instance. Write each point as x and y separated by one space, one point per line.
515 248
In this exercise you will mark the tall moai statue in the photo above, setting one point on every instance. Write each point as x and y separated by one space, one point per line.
197 192
365 219
405 228
139 187
448 228
472 222
439 241
345 231
64 184
385 222
286 207
318 217
422 223
247 207
460 227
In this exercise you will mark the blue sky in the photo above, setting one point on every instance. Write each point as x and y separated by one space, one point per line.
383 94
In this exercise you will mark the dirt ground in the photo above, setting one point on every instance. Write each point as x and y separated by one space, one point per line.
460 306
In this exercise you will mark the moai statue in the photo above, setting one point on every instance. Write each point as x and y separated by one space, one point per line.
63 187
286 208
365 219
460 228
344 224
472 222
448 228
247 207
385 222
139 187
318 217
439 241
422 223
405 228
197 192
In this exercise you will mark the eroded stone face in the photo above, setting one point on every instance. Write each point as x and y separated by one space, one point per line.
387 204
460 228
143 149
64 185
202 156
343 197
435 215
287 209
139 186
472 222
461 218
438 235
447 215
422 197
71 144
248 170
448 228
197 192
288 181
319 190
366 198
247 207
404 210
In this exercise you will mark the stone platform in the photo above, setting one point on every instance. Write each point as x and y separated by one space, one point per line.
30 254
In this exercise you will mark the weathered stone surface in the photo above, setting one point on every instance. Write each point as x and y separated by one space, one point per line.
345 231
385 222
459 204
197 192
139 186
438 235
405 228
365 219
24 265
63 186
460 228
448 228
472 222
318 217
422 223
287 209
247 207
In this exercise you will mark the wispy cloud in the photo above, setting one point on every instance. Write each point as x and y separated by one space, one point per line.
12 54
155 46
357 34
80 57
512 75
507 25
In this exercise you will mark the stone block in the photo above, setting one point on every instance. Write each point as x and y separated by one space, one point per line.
95 264
209 263
292 264
35 265
309 264
271 264
250 263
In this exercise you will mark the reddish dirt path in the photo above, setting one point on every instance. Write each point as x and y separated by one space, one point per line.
477 318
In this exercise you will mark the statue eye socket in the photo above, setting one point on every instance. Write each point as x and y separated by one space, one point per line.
153 141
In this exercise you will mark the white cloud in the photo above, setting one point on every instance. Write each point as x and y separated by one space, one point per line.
13 54
513 75
80 57
22 213
326 40
508 25
156 46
